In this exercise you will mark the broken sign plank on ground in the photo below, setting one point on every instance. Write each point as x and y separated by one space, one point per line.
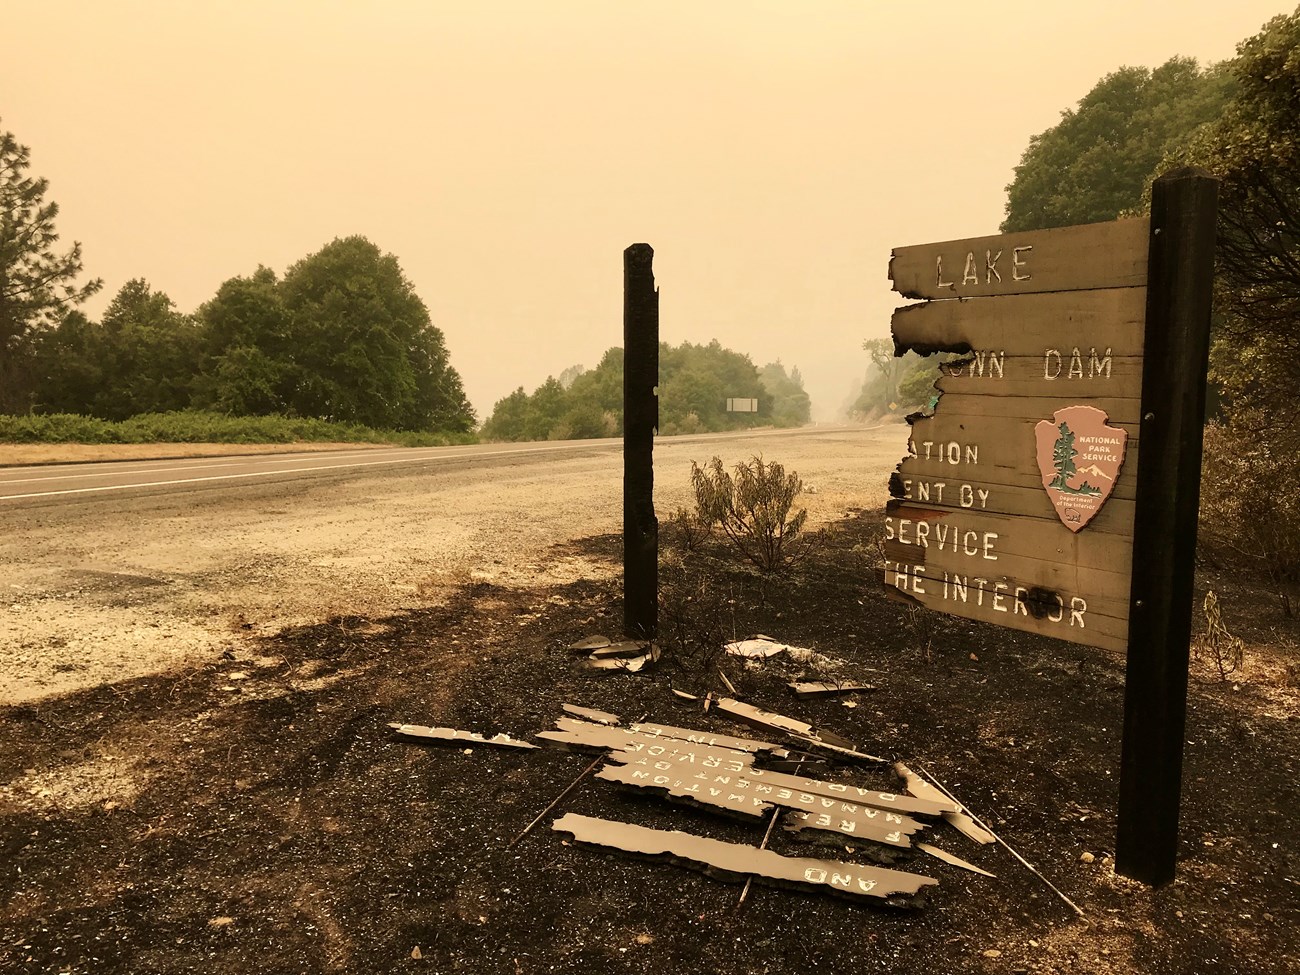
742 794
801 730
839 791
601 660
839 751
584 735
456 735
736 862
709 738
626 648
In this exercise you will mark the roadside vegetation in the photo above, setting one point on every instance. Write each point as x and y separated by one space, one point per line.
695 382
197 426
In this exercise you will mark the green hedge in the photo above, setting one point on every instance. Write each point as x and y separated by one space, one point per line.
193 426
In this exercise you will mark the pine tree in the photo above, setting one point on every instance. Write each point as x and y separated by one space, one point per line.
37 283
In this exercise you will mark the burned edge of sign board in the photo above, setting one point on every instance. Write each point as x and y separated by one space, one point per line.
456 735
734 862
957 818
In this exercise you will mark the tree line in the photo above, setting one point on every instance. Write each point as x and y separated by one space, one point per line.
695 382
340 336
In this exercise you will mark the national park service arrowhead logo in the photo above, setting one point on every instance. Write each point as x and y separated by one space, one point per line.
1079 458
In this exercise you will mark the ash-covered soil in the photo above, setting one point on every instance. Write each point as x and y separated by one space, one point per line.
256 814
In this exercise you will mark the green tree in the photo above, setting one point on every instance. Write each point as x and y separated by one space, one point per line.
37 282
362 348
790 404
1254 150
1097 161
69 366
507 419
246 362
695 382
149 354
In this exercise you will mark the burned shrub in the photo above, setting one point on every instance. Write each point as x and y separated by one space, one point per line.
753 509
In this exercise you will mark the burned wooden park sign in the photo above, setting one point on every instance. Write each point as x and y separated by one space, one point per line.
1053 487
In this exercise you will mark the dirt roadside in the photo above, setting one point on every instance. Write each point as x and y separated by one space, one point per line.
257 815
112 589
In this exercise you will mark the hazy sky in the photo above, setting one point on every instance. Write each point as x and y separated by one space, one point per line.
507 152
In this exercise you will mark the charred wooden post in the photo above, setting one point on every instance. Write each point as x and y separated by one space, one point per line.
640 422
1181 271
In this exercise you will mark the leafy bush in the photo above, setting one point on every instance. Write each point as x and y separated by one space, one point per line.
753 508
193 426
1249 518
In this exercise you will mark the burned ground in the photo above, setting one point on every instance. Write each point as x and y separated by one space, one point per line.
257 815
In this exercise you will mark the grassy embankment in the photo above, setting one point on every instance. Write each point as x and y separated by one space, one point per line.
192 426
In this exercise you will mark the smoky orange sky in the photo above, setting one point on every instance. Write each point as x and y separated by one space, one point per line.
507 152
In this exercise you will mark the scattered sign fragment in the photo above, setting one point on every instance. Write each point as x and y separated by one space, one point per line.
758 649
591 714
618 662
455 734
767 720
709 738
952 859
587 644
626 648
956 818
733 862
822 688
839 751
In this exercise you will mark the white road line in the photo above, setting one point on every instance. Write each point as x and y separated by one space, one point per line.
55 474
298 470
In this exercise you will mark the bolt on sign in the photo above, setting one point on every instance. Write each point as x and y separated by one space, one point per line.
1015 501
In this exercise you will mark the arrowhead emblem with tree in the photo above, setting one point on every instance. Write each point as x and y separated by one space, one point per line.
1079 457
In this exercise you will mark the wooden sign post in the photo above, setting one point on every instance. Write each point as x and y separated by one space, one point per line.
640 421
1025 499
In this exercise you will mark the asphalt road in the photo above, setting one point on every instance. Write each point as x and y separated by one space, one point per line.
52 482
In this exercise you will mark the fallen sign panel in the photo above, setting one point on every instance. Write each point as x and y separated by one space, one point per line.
734 862
886 801
456 735
742 795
